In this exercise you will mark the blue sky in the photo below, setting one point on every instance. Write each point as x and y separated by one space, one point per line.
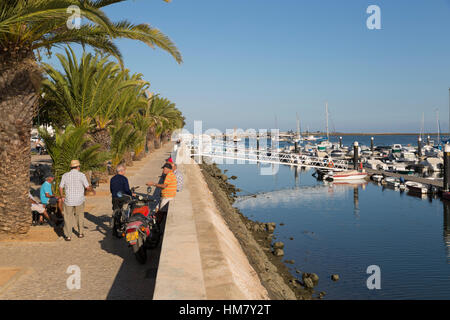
249 61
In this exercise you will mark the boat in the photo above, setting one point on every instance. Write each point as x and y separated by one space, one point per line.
416 187
446 195
396 148
348 175
434 164
376 164
311 138
324 145
377 177
392 182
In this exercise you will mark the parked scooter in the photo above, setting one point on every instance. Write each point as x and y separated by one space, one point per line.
139 225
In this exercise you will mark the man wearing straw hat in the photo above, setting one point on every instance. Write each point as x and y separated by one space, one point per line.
74 184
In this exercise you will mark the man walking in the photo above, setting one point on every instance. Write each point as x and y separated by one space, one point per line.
74 184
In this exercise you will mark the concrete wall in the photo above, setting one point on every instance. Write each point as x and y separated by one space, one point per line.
201 258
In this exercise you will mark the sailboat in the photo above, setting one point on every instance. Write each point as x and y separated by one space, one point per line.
298 138
323 145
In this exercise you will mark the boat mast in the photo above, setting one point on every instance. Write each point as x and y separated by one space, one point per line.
326 112
298 127
437 121
422 129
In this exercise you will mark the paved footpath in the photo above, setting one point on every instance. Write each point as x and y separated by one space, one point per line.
108 267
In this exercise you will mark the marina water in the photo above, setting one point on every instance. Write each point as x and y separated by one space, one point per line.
345 228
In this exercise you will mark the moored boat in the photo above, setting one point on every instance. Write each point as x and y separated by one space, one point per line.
349 175
416 187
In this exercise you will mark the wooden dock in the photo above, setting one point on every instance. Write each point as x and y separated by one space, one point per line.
436 183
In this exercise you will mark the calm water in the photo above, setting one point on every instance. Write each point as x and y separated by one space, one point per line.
343 229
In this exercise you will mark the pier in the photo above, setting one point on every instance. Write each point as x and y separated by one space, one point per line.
435 183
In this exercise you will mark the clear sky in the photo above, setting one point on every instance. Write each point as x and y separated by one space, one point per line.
249 61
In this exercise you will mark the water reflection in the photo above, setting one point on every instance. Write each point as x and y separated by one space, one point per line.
446 205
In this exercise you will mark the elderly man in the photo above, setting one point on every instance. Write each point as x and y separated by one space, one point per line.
74 184
168 187
119 184
46 194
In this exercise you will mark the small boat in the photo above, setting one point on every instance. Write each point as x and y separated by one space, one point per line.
416 187
397 148
348 175
377 177
392 182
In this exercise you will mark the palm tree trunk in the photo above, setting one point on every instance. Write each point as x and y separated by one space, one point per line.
103 138
151 139
128 159
19 82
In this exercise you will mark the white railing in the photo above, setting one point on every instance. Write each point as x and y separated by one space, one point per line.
239 153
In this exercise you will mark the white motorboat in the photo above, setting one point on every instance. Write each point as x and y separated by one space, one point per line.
396 148
434 164
348 175
416 187
376 164
377 177
393 182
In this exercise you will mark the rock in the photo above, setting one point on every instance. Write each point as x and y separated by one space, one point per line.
233 177
335 277
281 224
321 295
278 245
256 228
308 283
278 252
297 271
269 238
305 275
291 238
314 277
224 177
293 282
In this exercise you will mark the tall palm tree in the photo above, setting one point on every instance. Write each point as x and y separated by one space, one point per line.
26 27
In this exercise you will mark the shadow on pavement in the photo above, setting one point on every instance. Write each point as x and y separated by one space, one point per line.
133 281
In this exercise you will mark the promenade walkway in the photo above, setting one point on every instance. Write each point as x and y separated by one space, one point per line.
199 257
108 268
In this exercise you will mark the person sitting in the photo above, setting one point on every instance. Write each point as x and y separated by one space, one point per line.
40 209
47 197
119 184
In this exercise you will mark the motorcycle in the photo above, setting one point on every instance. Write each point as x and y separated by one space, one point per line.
139 225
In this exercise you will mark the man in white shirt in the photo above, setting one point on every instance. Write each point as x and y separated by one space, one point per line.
74 184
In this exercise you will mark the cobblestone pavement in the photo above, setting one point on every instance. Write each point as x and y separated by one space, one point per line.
108 267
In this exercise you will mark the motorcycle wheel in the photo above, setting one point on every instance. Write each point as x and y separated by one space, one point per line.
141 254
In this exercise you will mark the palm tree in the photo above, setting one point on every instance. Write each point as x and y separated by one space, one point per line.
93 92
26 27
72 143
